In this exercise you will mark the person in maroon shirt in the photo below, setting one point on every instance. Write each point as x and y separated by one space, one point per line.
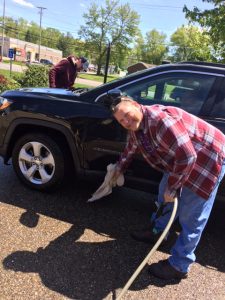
64 73
191 154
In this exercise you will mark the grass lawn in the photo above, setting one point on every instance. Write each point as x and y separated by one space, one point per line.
19 63
80 86
95 77
6 73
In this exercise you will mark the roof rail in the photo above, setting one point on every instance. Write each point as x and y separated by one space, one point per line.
203 63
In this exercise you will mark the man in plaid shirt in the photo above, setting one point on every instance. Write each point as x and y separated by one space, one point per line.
191 154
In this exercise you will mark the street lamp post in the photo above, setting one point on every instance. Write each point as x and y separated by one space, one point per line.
39 46
3 30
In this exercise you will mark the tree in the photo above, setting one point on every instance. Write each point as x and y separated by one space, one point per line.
10 27
191 43
153 49
28 36
111 23
66 44
213 21
139 46
32 33
50 37
120 56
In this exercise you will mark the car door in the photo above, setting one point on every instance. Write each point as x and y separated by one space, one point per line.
106 139
103 139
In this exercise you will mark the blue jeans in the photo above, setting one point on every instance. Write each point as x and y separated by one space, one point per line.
193 213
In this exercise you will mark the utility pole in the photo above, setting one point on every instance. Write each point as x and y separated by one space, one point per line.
39 46
107 62
3 30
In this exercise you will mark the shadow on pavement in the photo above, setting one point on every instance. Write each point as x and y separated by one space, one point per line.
76 269
85 270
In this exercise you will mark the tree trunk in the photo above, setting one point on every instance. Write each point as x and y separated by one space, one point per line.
99 69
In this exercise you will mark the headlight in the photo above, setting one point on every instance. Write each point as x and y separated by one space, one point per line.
4 103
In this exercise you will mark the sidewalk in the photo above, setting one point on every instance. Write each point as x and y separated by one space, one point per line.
15 68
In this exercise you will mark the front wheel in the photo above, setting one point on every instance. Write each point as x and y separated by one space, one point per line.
38 161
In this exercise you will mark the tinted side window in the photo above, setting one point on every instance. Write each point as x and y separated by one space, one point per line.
185 90
218 108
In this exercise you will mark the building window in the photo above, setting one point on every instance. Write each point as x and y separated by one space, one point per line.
36 56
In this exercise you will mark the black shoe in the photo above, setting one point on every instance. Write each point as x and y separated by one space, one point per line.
164 270
148 236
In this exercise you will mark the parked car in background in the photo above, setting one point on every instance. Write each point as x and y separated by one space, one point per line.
92 68
46 62
42 61
34 62
48 131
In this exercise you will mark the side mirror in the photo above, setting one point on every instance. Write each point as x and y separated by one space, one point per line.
114 94
113 97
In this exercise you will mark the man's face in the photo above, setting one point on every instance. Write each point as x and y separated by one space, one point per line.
129 115
79 65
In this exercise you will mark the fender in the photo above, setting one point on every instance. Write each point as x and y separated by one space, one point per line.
60 126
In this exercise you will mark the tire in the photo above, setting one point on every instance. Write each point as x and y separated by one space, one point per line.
39 162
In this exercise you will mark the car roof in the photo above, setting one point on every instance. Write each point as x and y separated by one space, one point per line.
203 63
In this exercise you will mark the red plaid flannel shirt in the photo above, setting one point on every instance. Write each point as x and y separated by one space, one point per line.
172 140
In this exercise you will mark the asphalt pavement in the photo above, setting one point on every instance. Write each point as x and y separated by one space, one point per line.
57 246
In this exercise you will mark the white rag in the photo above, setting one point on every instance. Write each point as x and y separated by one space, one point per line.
108 183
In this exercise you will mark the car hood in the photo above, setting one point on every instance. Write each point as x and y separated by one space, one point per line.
53 91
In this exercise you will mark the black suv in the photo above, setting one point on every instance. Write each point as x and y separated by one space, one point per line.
47 131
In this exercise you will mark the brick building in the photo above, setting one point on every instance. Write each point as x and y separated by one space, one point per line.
29 51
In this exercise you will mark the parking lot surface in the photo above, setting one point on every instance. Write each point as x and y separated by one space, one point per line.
57 246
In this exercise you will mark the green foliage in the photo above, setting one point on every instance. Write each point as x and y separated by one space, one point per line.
7 84
155 47
50 38
191 44
113 23
35 76
139 47
213 21
66 44
17 76
152 49
30 32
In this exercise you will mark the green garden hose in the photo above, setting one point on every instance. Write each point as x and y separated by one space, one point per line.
155 247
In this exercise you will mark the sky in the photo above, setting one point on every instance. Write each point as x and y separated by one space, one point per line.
66 15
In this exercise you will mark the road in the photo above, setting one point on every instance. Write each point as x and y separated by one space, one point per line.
56 246
17 68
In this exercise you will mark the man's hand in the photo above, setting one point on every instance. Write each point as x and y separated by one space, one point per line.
72 89
115 176
168 198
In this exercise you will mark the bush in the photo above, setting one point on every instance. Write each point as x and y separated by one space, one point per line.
35 76
18 77
8 84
